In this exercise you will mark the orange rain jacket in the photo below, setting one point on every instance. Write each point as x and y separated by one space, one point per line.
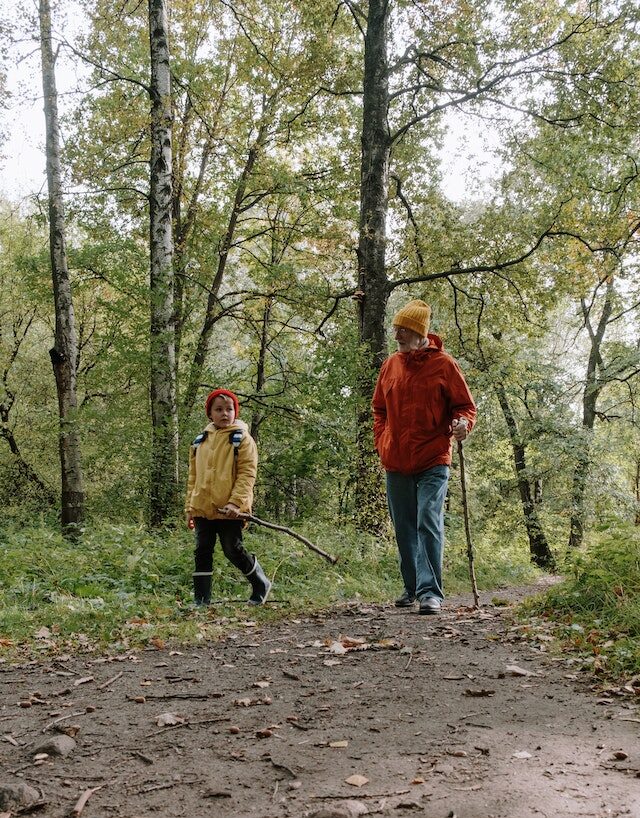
417 396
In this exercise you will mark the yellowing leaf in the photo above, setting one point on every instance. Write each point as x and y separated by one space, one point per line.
351 642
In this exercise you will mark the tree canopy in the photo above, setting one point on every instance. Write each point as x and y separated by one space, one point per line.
305 200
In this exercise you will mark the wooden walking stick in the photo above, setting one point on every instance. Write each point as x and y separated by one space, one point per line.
467 527
251 519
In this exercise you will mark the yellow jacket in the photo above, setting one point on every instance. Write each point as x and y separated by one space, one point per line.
217 475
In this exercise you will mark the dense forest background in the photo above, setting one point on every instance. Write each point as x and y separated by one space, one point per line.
277 281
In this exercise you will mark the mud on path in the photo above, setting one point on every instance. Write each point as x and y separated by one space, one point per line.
362 710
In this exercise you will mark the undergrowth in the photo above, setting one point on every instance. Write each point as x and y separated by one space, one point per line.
595 611
121 587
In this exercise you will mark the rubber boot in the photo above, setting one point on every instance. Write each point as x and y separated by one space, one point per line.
201 588
260 584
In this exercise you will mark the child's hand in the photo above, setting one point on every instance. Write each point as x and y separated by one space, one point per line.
231 510
190 522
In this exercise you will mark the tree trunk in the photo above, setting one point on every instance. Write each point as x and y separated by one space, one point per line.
210 318
22 467
590 396
636 520
538 546
261 371
64 354
164 455
373 284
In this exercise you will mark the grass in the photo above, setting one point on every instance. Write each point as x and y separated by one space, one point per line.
595 612
122 587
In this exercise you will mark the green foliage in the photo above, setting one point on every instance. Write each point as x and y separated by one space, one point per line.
121 587
567 119
596 610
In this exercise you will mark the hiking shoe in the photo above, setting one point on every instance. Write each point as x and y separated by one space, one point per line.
430 605
406 600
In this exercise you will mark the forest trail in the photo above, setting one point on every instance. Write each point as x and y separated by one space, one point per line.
362 710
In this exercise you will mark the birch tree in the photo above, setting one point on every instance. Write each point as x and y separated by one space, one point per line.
64 353
164 455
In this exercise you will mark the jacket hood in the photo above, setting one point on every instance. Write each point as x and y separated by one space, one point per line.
435 345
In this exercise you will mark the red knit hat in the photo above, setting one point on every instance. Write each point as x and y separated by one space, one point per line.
227 394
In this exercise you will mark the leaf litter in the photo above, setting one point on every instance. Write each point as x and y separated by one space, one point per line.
397 731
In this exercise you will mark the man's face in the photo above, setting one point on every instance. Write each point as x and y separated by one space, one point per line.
222 412
407 339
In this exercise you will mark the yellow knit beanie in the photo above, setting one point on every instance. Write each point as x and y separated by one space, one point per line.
415 315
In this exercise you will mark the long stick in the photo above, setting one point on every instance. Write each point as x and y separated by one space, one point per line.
251 519
467 527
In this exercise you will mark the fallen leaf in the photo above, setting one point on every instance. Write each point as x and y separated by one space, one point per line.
514 670
331 662
85 680
338 648
216 794
351 642
522 754
261 684
43 633
356 780
387 644
167 719
338 744
68 730
248 702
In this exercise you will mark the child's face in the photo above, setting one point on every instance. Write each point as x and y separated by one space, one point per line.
222 412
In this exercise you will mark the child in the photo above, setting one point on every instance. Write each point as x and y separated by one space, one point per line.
223 461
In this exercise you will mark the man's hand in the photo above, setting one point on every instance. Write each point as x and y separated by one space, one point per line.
459 428
189 521
231 510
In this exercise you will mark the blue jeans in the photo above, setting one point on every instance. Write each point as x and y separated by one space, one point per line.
416 505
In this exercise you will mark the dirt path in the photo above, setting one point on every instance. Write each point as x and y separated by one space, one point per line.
457 715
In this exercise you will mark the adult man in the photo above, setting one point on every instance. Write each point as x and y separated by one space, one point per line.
420 401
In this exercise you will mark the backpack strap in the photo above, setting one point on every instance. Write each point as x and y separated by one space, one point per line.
235 439
198 439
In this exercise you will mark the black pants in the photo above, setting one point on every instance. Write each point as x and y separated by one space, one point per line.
230 534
